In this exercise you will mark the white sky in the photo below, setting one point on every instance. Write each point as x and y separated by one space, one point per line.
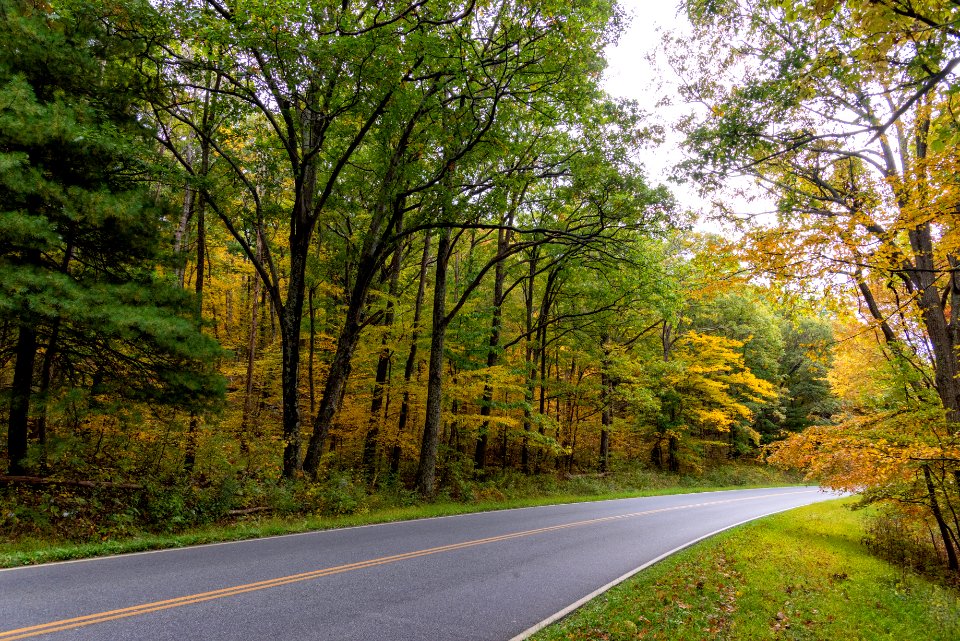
637 69
628 73
632 74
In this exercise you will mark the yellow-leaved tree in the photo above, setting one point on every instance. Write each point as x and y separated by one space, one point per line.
704 391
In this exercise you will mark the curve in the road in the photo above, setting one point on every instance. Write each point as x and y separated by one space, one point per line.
556 616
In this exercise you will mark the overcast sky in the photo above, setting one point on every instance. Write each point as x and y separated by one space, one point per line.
630 74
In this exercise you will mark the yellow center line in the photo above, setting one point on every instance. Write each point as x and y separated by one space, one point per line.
156 606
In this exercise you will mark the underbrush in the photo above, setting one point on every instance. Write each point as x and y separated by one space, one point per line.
76 520
910 543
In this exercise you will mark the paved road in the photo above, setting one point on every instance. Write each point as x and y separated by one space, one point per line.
484 576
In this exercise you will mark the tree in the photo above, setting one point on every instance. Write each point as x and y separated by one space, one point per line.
888 440
704 396
845 117
80 234
806 361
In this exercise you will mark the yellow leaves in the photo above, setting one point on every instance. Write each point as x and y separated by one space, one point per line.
715 419
476 420
891 424
753 388
715 383
848 457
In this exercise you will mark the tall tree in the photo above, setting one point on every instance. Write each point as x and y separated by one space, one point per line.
318 77
80 232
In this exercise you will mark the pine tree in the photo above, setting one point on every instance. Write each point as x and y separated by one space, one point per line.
82 300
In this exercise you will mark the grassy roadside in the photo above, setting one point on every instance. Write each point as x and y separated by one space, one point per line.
803 574
30 549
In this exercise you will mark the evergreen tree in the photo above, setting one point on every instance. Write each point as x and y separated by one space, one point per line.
82 302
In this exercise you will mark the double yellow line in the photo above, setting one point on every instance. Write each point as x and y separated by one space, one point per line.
156 606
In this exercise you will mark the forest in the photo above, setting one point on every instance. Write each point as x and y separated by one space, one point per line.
291 253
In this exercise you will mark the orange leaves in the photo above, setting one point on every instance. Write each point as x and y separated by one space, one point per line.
891 423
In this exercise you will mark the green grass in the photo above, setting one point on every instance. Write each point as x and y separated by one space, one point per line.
803 574
33 548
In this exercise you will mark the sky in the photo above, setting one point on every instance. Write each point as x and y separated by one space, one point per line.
630 74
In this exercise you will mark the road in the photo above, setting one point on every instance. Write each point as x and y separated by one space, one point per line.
489 576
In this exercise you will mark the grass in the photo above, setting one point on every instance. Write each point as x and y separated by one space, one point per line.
33 548
803 574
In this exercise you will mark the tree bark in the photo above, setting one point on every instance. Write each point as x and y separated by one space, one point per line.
540 354
606 401
186 213
531 365
292 312
46 376
20 393
340 367
383 369
46 368
493 347
427 470
387 216
312 347
251 357
946 366
193 426
952 561
673 451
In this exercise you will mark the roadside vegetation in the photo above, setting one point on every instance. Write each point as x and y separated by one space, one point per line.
307 258
40 527
802 574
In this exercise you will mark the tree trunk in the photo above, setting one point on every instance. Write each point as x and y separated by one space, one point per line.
180 235
289 317
941 523
46 369
20 393
341 365
251 358
312 347
666 340
427 470
190 448
531 365
387 215
540 353
673 450
411 356
606 403
383 370
46 376
656 452
946 366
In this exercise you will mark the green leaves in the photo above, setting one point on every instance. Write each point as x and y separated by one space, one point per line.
80 249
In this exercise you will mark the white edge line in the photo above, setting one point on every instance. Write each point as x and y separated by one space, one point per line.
37 566
553 618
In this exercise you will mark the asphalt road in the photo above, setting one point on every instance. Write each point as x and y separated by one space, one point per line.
488 576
